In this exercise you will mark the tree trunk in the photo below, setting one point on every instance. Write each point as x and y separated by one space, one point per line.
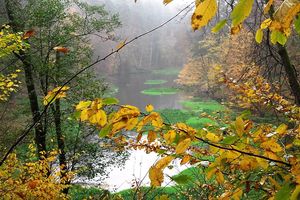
40 134
291 73
289 69
60 144
59 134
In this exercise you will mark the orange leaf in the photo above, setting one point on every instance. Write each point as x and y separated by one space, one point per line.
156 176
151 136
28 34
164 162
185 159
61 49
183 146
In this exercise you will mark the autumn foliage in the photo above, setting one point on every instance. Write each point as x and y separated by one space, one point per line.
31 180
246 149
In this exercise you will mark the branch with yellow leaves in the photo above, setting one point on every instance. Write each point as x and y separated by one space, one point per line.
58 91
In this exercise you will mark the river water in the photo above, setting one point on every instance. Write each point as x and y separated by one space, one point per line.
136 167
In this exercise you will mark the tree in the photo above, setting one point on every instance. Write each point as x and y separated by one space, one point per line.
9 43
59 38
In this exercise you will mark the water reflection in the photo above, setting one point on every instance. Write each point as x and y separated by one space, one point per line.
131 84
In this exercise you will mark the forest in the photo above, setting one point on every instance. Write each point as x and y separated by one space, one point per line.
150 99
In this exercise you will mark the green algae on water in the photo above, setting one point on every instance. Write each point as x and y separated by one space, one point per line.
155 82
197 105
160 91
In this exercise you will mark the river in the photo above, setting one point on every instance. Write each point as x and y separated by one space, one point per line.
129 87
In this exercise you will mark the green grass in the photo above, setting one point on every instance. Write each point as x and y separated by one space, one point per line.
202 106
175 115
194 174
78 192
191 118
155 82
167 71
198 122
129 194
160 91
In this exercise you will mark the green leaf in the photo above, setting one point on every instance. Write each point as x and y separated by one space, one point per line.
284 192
76 114
259 36
245 114
219 26
297 24
105 131
277 36
181 178
110 101
241 11
230 140
161 151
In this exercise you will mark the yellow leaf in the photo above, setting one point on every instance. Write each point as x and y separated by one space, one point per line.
121 45
167 1
231 155
118 126
149 108
186 129
225 196
211 172
154 118
103 118
247 164
170 136
281 129
204 12
156 176
286 13
151 136
268 6
183 146
239 126
9 84
296 193
220 177
263 163
54 94
131 124
265 24
158 122
164 162
259 36
99 118
83 105
272 155
185 159
236 29
237 194
271 145
84 115
212 137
